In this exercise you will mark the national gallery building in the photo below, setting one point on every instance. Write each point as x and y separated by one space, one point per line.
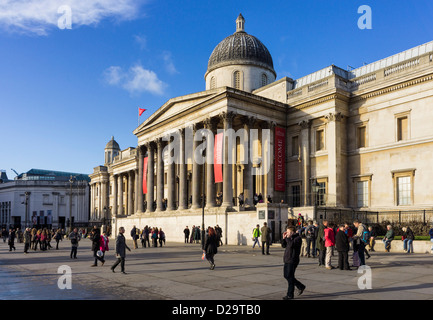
360 139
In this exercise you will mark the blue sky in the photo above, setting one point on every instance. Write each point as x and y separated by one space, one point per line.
65 92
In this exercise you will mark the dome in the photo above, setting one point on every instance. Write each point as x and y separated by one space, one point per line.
112 144
240 48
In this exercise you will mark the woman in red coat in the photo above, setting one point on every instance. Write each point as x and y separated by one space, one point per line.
329 244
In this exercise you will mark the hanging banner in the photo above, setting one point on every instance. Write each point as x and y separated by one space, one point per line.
218 157
145 175
280 159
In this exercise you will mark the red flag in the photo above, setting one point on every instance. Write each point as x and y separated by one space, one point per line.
145 175
140 111
218 157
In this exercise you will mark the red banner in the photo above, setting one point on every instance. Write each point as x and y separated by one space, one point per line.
218 157
145 175
280 159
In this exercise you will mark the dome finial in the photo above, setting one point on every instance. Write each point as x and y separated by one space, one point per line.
240 23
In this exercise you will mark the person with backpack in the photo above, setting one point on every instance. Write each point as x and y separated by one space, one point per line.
256 235
360 240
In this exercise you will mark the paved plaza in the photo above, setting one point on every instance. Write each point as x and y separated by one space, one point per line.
176 272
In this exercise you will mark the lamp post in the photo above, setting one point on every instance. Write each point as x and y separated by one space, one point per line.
27 193
71 181
315 188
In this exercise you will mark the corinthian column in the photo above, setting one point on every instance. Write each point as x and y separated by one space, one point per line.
195 174
227 118
183 199
150 176
248 177
210 124
139 180
159 176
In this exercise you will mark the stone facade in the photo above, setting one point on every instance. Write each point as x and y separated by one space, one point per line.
359 139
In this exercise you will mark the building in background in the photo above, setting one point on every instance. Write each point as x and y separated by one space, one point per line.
45 198
357 139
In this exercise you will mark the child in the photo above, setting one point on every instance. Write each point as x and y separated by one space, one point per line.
342 244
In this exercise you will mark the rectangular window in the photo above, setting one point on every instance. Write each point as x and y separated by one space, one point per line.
361 137
362 194
296 196
295 146
321 194
402 129
404 191
320 140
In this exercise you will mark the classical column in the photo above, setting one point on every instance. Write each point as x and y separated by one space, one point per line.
248 163
196 181
120 210
139 180
171 180
269 150
159 176
183 192
305 160
150 177
210 124
114 211
130 192
227 118
336 194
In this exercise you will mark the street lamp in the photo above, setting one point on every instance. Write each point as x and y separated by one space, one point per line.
315 188
71 181
26 202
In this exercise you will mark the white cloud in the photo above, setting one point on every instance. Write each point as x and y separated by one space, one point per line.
40 16
135 80
169 64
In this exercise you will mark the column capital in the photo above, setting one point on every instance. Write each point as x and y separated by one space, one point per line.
210 123
227 116
304 124
334 116
249 121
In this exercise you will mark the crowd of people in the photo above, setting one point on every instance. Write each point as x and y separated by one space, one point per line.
154 234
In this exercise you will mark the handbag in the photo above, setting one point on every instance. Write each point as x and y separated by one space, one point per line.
99 253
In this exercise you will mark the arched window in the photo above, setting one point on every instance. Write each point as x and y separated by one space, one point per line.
237 80
264 79
213 83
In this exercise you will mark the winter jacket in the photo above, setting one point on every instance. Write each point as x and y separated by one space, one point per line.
121 246
320 240
211 245
329 237
390 235
256 233
342 242
292 245
409 234
266 233
103 244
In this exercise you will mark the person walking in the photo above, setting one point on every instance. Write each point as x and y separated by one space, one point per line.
95 237
256 235
211 247
58 237
186 233
74 237
27 240
320 242
266 238
103 244
408 241
292 243
121 247
329 244
161 237
389 236
11 239
342 245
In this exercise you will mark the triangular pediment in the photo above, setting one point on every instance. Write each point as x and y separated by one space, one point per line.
176 107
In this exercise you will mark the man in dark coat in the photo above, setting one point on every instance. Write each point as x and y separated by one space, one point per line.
266 237
292 243
95 236
320 242
342 245
121 247
186 233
